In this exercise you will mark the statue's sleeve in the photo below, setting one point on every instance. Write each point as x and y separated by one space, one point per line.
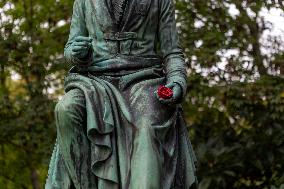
174 61
77 28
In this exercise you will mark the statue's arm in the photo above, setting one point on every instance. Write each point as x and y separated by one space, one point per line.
78 35
174 61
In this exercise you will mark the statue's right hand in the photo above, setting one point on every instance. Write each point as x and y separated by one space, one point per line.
81 46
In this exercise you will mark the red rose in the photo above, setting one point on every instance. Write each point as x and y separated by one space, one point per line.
165 92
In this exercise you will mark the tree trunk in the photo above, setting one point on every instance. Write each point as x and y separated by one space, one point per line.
35 179
256 32
281 69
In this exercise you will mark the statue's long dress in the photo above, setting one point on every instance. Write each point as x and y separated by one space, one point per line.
112 132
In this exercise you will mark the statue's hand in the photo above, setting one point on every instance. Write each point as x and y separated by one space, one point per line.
177 94
81 46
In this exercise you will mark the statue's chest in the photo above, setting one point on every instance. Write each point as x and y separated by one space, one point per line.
118 13
118 7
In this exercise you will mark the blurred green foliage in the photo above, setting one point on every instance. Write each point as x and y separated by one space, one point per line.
234 105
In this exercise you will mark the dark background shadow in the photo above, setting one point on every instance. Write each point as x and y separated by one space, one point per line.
234 106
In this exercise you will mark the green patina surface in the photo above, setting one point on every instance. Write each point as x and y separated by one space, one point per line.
113 131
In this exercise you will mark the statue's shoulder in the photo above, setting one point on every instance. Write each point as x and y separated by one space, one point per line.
165 2
82 3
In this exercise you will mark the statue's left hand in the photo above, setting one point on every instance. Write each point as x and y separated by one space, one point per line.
81 46
177 94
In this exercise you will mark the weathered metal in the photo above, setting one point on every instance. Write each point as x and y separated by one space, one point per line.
113 130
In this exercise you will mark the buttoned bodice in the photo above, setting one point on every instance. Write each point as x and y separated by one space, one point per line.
147 32
118 9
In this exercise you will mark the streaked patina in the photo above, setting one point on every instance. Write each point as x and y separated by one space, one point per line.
113 131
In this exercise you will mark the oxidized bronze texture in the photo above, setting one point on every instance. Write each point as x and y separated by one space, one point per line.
113 129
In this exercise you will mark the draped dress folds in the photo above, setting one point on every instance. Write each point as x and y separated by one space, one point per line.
112 131
131 140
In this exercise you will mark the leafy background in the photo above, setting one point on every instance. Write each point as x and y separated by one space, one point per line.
234 106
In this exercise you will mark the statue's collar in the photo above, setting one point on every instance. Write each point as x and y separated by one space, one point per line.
134 12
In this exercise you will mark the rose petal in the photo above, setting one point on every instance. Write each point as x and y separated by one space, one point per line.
165 92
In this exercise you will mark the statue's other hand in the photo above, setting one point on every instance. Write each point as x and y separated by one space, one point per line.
81 46
177 94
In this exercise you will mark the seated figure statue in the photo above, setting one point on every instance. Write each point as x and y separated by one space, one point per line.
114 131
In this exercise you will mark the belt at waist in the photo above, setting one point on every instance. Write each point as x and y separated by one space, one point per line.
122 79
121 65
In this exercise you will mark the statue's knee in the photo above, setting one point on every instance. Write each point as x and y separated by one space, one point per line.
144 126
72 105
63 109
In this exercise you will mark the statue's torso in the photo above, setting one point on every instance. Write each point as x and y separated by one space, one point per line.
135 35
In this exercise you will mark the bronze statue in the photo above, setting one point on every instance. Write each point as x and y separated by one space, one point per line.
120 123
